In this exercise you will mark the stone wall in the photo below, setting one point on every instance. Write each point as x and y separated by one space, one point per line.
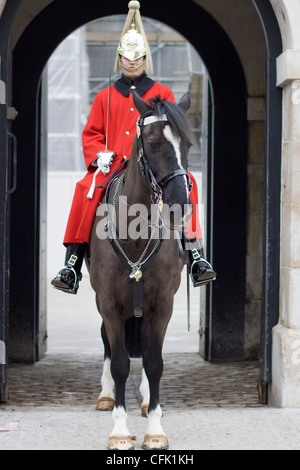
243 26
285 389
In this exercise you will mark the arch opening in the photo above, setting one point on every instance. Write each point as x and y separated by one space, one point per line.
79 68
26 278
227 177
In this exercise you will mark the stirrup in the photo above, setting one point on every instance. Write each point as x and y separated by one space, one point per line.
208 275
63 286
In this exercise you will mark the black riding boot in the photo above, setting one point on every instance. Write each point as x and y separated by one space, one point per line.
67 280
201 271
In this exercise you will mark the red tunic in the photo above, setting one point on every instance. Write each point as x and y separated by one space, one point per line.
122 129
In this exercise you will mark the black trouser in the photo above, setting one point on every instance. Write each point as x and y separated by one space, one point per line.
75 255
193 249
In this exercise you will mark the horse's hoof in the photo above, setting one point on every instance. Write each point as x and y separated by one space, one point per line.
105 404
120 443
144 410
155 442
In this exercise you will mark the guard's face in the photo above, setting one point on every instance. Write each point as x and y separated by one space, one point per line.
132 68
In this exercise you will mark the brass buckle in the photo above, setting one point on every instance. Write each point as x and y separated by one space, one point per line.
195 254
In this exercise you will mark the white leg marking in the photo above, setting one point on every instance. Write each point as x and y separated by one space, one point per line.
120 417
176 144
144 389
154 426
107 381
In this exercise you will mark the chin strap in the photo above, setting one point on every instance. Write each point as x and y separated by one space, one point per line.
132 69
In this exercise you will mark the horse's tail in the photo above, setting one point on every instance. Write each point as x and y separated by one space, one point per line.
133 336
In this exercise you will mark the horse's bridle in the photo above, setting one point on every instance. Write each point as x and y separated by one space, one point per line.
136 277
154 185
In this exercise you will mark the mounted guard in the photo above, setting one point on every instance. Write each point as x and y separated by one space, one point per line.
107 142
135 120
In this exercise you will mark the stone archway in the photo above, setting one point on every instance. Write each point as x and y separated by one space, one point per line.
224 326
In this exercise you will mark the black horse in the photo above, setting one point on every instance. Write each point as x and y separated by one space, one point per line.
135 267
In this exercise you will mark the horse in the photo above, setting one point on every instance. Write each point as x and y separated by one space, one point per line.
136 273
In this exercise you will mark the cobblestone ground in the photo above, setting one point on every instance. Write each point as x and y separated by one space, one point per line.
205 406
188 382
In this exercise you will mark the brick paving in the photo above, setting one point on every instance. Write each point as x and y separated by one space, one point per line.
188 382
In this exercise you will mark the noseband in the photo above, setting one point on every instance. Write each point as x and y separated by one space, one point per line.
154 185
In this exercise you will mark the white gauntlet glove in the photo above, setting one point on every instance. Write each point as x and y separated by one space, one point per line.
103 162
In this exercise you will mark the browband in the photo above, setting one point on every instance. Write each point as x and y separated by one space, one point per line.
151 119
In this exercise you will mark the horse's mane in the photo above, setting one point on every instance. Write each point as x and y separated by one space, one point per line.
175 115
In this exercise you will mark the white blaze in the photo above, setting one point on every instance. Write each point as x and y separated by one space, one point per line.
175 141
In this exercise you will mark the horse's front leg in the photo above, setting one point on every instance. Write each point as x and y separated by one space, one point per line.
155 437
120 438
106 400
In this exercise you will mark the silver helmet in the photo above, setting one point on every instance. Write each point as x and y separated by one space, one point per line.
133 43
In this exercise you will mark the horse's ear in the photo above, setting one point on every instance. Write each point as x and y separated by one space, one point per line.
140 104
185 101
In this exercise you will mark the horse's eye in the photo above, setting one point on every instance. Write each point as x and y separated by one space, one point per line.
153 147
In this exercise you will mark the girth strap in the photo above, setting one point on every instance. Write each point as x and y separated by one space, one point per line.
137 296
